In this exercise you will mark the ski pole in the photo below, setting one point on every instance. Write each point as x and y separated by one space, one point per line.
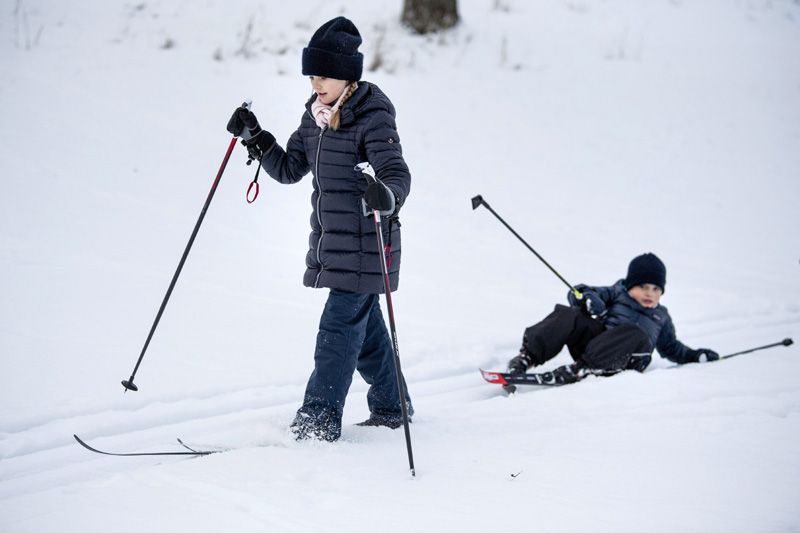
785 342
367 171
478 201
128 383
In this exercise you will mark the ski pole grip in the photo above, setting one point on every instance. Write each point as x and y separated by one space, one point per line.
477 201
366 169
578 294
787 341
245 133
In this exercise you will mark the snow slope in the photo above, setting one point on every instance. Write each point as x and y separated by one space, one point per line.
599 130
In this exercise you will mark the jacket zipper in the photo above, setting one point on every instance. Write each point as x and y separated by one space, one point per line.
319 212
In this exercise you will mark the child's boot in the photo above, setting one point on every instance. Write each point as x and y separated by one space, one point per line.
520 364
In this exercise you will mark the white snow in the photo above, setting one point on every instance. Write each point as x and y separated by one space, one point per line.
599 130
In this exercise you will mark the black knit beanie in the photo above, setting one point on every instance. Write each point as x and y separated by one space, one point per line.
646 268
333 52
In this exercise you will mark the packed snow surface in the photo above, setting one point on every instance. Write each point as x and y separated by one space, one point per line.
598 130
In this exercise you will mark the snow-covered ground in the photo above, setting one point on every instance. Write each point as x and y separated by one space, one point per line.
599 130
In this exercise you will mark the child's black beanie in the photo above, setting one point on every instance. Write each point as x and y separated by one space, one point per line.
646 268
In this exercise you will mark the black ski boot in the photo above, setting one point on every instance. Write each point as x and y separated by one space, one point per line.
389 421
322 426
568 374
520 364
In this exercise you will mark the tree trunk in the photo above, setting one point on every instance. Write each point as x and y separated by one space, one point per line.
426 16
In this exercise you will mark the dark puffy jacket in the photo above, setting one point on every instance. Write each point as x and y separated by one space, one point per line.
343 250
655 322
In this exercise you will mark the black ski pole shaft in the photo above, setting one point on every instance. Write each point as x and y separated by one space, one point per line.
392 328
395 346
478 201
128 383
785 342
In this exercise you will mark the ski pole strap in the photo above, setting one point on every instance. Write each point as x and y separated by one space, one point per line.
254 184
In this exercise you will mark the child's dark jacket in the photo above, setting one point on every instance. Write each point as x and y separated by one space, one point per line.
343 252
655 322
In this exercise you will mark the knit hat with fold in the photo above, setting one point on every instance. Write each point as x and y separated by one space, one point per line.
333 52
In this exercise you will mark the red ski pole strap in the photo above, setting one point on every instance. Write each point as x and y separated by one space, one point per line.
253 184
255 194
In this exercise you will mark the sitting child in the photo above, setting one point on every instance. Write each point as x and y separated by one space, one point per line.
610 328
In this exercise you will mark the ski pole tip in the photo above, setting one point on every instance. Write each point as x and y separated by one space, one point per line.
788 341
476 201
129 385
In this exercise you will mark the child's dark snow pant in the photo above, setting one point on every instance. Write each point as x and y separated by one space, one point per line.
352 336
588 341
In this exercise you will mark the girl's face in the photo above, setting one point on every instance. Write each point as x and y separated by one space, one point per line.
328 89
646 295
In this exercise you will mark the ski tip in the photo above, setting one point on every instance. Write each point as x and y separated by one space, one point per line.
493 377
79 441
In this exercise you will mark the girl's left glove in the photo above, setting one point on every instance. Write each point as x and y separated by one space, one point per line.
380 198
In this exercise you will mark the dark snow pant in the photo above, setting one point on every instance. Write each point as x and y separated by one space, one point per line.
588 341
352 336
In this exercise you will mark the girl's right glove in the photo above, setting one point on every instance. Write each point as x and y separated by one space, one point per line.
244 124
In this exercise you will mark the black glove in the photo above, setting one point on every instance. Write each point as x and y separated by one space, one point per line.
380 198
259 145
591 303
702 355
244 124
594 306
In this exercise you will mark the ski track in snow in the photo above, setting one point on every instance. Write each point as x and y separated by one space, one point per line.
44 456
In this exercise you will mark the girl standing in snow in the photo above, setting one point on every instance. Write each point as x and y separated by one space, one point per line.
346 122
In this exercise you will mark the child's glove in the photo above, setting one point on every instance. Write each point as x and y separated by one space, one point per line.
244 124
259 145
703 355
594 306
591 303
380 198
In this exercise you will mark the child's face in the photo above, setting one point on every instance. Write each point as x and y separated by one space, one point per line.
328 89
647 295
